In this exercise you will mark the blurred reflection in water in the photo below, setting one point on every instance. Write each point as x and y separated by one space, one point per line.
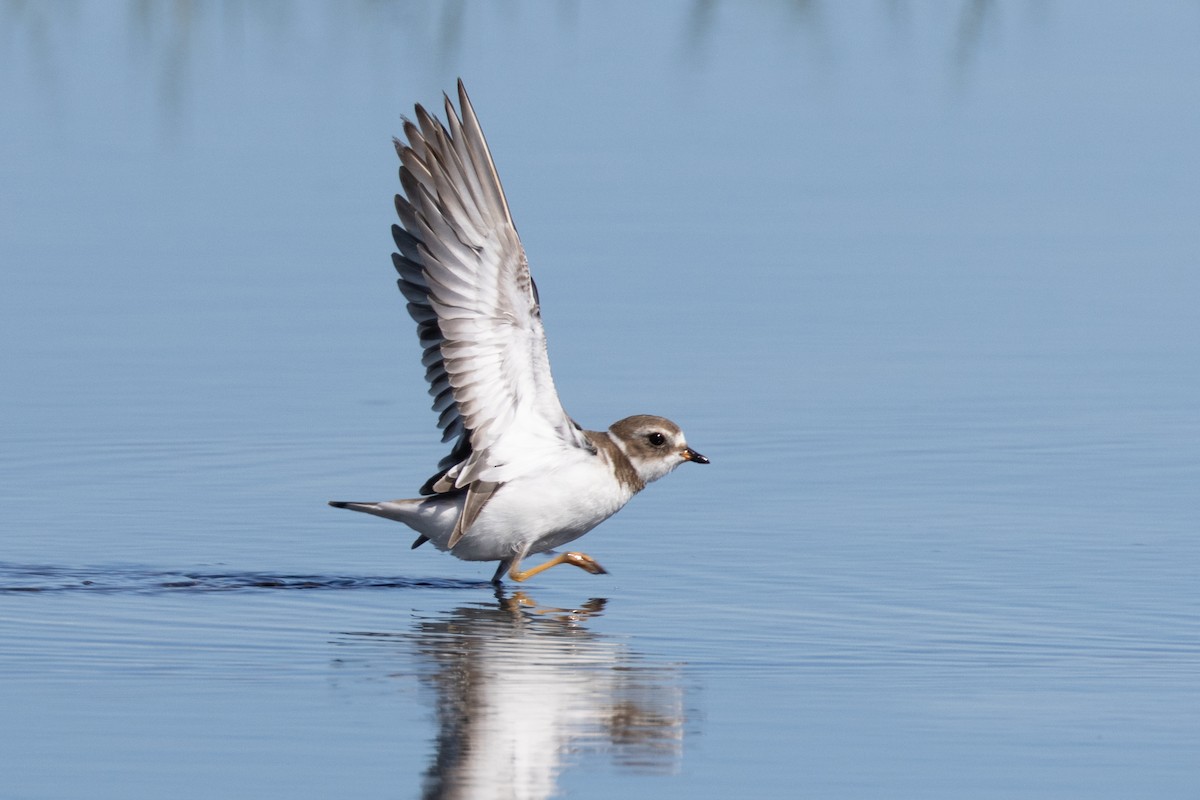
521 691
169 45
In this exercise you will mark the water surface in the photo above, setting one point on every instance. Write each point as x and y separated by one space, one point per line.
920 282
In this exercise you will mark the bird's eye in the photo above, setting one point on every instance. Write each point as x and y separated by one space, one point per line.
656 439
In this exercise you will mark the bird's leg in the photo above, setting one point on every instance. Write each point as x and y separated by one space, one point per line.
503 568
515 603
581 560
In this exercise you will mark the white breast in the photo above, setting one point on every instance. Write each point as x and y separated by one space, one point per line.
540 512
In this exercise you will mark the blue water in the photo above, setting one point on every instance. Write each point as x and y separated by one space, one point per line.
920 281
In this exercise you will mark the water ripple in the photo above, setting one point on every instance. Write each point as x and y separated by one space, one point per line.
144 580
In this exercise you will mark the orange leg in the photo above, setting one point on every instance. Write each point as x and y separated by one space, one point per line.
581 560
520 603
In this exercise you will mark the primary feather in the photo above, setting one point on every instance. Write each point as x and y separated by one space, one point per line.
467 282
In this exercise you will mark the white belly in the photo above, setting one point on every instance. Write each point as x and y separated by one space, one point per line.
535 513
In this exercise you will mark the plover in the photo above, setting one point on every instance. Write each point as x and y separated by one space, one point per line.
522 477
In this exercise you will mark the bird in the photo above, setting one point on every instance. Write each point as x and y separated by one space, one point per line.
522 477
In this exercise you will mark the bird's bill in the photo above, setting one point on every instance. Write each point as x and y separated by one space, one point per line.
691 455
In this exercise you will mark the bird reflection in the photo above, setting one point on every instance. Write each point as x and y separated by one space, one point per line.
522 691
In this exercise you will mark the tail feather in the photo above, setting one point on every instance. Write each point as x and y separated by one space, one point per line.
432 517
397 510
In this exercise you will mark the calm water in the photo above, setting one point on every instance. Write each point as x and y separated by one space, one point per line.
921 281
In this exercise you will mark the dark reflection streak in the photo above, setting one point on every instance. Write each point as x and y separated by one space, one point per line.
897 13
450 34
808 17
899 25
806 13
701 22
971 26
39 21
169 34
165 33
698 27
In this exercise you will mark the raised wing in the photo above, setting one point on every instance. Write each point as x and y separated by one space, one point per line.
464 273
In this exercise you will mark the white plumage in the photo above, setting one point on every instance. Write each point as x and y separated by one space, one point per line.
522 476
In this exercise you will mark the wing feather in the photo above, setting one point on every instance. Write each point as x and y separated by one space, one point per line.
464 274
